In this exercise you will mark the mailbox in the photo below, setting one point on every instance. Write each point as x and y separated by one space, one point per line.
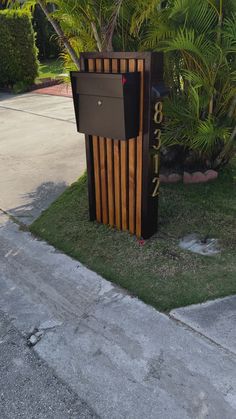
107 105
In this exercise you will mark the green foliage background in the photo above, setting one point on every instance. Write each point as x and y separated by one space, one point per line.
18 53
46 39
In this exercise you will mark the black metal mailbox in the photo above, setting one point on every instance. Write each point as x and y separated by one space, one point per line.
106 104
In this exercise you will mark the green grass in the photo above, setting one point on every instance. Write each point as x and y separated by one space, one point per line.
51 69
159 272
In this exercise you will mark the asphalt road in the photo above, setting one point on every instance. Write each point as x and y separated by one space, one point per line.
28 387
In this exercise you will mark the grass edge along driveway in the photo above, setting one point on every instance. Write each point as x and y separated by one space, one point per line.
158 272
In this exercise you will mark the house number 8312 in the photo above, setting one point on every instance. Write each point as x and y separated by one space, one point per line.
158 118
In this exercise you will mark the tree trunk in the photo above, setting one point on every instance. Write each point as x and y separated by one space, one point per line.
60 33
96 36
109 31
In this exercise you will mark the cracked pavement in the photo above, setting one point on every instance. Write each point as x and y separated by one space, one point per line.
29 388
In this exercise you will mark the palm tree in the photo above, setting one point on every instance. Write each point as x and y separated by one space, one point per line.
81 24
199 41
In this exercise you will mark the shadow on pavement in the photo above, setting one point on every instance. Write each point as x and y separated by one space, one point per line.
37 201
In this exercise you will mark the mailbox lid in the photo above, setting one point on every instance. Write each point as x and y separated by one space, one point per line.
106 84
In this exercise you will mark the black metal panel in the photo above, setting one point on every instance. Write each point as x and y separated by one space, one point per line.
107 105
106 120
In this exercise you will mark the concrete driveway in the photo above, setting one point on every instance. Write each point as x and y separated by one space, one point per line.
40 152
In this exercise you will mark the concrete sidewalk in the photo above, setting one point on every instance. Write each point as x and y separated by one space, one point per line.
214 319
40 152
121 357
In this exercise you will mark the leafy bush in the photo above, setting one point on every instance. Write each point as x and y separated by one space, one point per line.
18 53
198 38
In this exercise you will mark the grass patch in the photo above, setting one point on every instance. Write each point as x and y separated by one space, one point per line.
159 272
51 69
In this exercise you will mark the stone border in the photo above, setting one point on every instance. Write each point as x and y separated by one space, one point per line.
43 84
187 178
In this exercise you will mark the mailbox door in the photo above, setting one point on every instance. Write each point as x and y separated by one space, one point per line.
101 116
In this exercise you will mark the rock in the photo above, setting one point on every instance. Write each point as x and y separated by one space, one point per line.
198 177
194 243
33 340
39 334
211 174
32 331
174 178
163 179
187 178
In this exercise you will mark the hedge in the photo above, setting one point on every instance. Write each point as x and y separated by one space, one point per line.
18 53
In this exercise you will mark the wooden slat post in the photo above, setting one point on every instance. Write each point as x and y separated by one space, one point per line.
132 171
123 182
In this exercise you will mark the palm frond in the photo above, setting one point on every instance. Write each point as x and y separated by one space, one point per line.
208 135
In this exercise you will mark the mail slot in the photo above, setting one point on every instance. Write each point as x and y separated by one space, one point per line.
107 105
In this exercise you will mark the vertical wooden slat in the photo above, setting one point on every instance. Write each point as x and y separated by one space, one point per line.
139 154
110 182
98 65
91 68
124 167
114 65
110 160
106 65
132 171
115 69
117 183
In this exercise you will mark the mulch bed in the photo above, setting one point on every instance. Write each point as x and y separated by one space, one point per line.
61 89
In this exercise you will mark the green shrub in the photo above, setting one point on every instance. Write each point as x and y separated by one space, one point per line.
18 53
198 38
